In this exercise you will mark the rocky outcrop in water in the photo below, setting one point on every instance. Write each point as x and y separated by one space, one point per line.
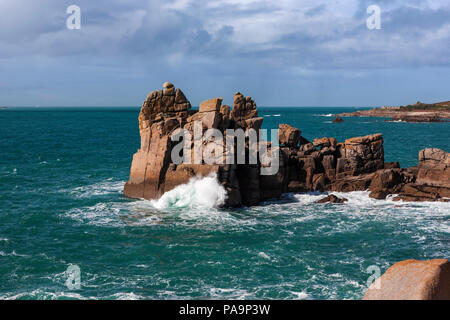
332 199
430 181
413 280
153 172
321 165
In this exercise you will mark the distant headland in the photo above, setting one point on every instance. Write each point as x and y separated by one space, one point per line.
418 112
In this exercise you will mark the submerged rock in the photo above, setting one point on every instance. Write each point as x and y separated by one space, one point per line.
332 199
413 280
338 120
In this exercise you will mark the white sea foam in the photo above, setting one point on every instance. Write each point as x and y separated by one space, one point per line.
198 192
300 295
126 296
264 255
99 214
13 254
99 189
44 295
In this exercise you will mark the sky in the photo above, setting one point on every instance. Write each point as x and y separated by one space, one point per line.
280 52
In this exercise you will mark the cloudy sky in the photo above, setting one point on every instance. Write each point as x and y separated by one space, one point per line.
281 52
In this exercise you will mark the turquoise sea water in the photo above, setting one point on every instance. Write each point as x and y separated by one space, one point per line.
61 177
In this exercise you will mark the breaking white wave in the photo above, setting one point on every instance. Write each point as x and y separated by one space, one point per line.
198 192
324 115
300 295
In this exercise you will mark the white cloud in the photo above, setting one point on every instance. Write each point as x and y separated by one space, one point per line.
308 33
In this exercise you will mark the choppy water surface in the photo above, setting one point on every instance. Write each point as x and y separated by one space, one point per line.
61 177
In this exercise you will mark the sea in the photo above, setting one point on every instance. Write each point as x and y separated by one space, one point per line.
68 232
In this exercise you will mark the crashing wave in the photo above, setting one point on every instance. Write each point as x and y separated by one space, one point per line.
198 192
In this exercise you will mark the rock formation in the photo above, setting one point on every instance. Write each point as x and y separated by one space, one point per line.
332 199
153 172
430 181
416 118
413 280
322 165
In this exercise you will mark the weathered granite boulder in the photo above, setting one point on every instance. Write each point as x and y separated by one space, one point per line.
288 135
244 108
332 199
325 142
384 182
434 168
164 111
361 155
413 280
430 181
211 105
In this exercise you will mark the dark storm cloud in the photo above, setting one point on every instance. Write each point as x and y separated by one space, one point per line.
224 41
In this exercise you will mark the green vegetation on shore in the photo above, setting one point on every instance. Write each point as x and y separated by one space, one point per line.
440 106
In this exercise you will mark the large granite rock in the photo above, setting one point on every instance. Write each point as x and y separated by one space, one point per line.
413 280
244 108
152 170
361 155
434 168
289 136
430 181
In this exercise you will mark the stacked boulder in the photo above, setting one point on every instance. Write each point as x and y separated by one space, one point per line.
430 181
164 111
326 165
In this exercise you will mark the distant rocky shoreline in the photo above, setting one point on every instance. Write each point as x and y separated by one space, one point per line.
419 112
324 165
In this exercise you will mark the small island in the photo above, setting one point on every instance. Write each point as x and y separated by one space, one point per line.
419 112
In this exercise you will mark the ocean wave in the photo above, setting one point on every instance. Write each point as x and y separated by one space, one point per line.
198 192
300 295
126 296
324 115
40 294
101 214
272 115
13 254
98 189
197 204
